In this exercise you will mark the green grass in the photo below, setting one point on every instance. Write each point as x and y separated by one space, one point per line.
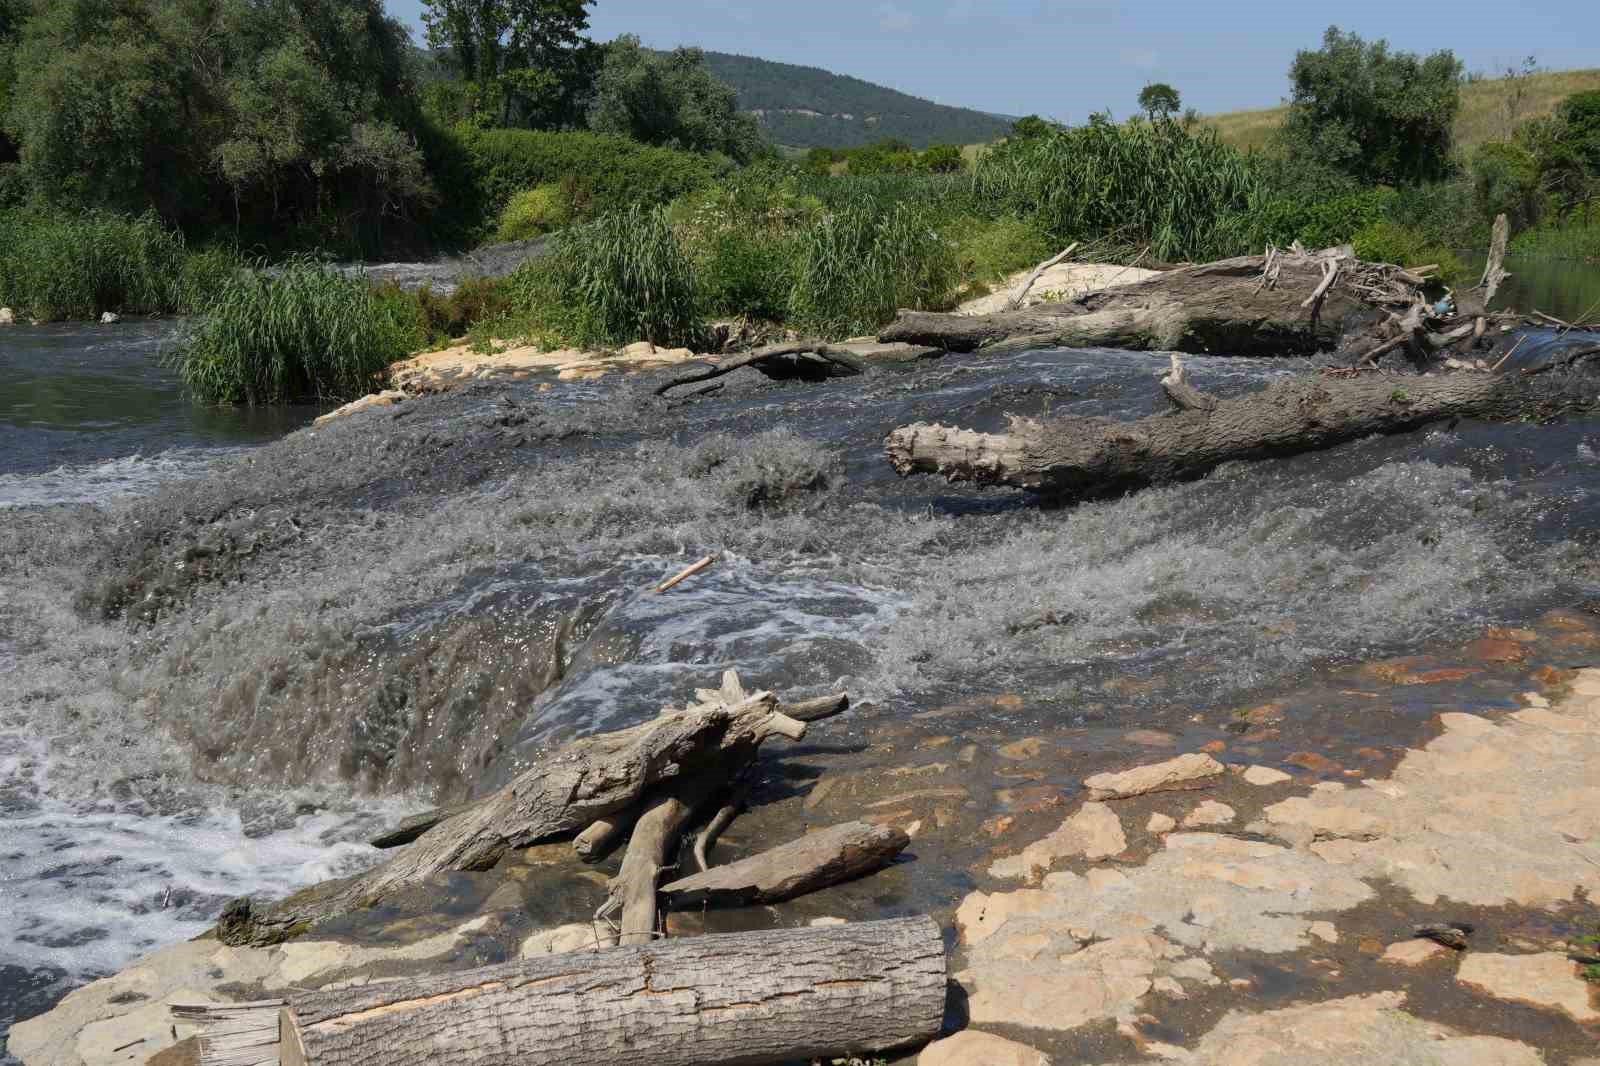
861 263
1490 110
1575 237
77 266
1150 183
298 333
621 278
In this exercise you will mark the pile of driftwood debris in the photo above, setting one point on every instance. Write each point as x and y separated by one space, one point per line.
775 996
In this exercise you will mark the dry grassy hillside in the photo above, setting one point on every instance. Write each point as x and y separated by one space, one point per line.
1489 110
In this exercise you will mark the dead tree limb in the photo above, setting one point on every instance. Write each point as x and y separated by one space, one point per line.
1494 272
816 860
1089 456
775 996
1038 271
591 778
813 351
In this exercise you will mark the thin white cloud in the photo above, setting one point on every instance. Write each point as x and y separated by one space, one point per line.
892 18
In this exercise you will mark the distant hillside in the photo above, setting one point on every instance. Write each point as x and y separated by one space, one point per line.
1485 111
807 107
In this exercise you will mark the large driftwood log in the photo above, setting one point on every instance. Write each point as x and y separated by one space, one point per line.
816 860
777 996
589 779
1220 307
1087 456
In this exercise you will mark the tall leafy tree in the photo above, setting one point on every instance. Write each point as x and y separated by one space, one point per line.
528 60
670 99
1371 113
1159 100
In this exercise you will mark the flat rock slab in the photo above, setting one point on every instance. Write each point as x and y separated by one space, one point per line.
1193 770
1414 952
1356 1031
972 1048
1549 981
1093 833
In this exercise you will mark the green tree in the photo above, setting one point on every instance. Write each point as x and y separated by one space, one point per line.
1029 127
1567 148
527 61
1376 115
670 99
1159 100
941 159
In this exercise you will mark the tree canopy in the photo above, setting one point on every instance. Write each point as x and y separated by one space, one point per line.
527 62
669 99
1371 113
1160 100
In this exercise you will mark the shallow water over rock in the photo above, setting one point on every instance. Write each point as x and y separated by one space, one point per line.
405 604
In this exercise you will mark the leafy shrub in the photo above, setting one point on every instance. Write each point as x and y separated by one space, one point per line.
1319 223
295 333
533 213
1577 236
941 159
1390 242
76 266
988 252
742 236
856 267
621 278
440 318
1505 180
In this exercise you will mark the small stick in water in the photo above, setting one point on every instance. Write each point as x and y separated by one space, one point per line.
686 573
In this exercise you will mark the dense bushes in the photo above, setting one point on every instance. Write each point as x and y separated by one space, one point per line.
533 213
859 264
76 266
296 333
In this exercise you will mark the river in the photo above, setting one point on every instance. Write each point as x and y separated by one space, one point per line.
230 653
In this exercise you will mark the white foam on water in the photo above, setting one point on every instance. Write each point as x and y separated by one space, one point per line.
111 479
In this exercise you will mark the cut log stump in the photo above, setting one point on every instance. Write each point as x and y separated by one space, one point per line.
776 996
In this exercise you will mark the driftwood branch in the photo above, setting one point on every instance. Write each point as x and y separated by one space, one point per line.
1494 272
1089 456
816 860
1038 271
776 996
590 779
686 573
839 359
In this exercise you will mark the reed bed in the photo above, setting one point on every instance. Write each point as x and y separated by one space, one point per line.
294 334
1185 196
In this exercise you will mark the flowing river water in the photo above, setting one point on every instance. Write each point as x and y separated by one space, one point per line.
230 653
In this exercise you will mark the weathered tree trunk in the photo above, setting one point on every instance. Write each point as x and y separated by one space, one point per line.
779 996
1086 456
1231 307
816 860
589 779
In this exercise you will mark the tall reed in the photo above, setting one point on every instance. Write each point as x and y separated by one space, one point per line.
1185 195
297 333
864 261
77 266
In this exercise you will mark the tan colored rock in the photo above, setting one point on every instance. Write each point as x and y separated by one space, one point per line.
386 398
1093 833
1264 776
301 962
980 914
1161 824
1324 931
561 940
1413 952
1324 820
1188 771
1209 813
1357 1031
1064 281
972 1048
1058 988
1027 748
1549 981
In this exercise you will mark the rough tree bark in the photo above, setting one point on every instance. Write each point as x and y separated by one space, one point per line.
587 780
816 860
1227 307
1089 456
777 996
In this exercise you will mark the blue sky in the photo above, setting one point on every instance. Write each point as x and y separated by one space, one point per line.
1066 58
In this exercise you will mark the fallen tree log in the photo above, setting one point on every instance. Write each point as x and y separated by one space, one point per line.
591 778
776 996
1220 307
816 860
1091 456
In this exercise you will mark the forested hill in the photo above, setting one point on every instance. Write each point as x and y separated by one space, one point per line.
807 107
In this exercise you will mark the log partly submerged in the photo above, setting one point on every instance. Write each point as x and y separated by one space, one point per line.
601 777
776 996
1091 456
1248 305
